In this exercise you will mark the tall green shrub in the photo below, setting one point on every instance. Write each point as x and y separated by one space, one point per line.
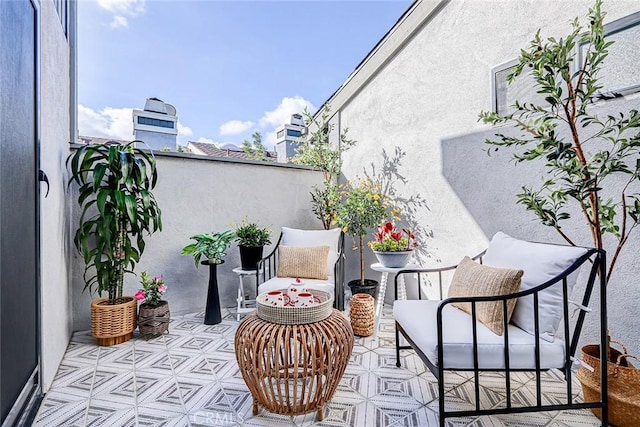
580 165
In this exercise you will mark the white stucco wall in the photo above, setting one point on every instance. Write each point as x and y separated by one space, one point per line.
430 88
198 194
54 210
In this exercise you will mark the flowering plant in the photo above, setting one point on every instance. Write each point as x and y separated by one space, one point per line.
152 289
388 239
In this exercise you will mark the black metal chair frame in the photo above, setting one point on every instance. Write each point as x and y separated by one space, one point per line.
267 268
598 260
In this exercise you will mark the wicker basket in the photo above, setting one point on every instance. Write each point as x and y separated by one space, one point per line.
113 323
362 314
296 315
154 320
623 385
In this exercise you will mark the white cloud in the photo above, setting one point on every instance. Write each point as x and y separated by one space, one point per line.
115 123
184 130
205 140
122 10
235 127
119 22
282 113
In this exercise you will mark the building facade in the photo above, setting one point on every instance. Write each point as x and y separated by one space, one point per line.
156 125
288 136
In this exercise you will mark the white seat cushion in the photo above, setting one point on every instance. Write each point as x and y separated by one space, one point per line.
540 263
418 319
277 283
331 238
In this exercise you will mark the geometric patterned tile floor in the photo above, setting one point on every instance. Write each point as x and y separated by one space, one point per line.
189 377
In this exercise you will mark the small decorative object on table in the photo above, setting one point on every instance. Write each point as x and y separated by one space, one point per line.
362 314
154 316
393 248
292 358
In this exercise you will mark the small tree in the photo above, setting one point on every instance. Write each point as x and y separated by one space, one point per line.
597 149
362 208
255 149
318 152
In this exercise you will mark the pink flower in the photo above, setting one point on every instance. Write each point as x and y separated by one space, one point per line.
162 289
158 278
140 295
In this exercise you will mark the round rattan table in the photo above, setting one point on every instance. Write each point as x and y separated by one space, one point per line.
293 369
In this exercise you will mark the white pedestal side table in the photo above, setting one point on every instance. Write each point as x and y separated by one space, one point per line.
242 301
402 290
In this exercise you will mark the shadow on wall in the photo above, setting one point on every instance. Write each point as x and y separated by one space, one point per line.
391 179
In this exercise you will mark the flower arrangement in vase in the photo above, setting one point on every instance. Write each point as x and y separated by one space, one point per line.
393 248
153 316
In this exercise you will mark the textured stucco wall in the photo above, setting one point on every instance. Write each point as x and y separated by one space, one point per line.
199 194
431 90
55 213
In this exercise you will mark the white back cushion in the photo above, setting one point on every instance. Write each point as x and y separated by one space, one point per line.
540 263
295 237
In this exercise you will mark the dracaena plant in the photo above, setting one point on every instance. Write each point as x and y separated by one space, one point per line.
118 210
584 154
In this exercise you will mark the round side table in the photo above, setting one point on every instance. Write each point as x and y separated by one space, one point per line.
402 290
293 369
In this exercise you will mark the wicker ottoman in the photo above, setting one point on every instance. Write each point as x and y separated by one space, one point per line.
293 369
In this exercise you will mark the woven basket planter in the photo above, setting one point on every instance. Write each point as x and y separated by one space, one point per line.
623 383
113 324
362 314
293 369
154 320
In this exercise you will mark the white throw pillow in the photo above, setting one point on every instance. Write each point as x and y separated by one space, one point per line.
295 237
540 263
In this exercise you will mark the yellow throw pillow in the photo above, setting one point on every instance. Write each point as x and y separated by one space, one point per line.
309 262
473 280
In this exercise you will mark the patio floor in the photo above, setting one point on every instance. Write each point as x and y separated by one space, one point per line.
189 377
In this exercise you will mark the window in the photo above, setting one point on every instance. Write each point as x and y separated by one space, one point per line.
294 133
62 7
620 72
522 89
280 134
155 122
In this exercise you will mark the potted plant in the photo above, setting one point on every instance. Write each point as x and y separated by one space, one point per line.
212 246
363 207
393 248
115 184
581 151
251 240
153 315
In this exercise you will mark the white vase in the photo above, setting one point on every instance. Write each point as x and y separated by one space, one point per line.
394 259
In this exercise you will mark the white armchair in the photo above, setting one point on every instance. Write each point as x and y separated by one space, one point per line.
268 278
450 334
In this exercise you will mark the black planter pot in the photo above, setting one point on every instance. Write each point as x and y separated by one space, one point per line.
370 287
250 256
212 313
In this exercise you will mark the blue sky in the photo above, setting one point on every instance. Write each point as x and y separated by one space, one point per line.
229 67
